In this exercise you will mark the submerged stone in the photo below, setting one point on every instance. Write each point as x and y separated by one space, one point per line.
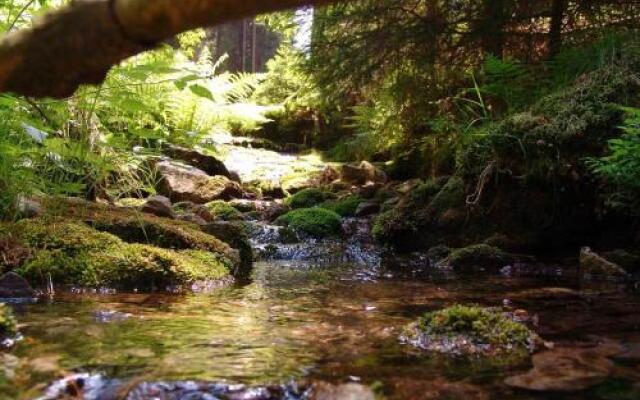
470 330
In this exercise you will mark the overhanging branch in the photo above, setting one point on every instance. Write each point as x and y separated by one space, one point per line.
78 44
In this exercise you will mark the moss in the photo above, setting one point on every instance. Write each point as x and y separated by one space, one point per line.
479 256
452 195
135 227
316 222
222 210
8 325
307 198
74 253
345 207
235 234
479 325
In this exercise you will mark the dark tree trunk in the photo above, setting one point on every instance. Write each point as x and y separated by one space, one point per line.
558 11
492 24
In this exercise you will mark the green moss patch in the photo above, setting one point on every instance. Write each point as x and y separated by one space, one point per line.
73 253
223 211
470 330
345 207
309 198
479 256
136 227
316 222
8 325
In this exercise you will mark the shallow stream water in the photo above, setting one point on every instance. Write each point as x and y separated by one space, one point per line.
300 322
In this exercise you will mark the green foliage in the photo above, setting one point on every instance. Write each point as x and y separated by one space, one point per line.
481 325
345 207
620 169
224 211
8 325
316 222
307 198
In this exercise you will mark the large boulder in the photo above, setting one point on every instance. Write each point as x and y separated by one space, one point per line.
593 264
362 173
209 164
185 183
13 285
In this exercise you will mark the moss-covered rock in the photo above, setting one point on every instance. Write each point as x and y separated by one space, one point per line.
73 253
316 222
235 234
223 211
307 198
8 325
470 330
479 257
135 227
345 207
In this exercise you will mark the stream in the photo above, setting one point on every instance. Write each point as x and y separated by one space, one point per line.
295 321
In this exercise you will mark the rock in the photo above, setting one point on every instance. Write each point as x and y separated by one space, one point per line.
347 391
159 206
234 176
595 265
185 183
479 257
438 389
339 186
189 211
408 186
362 173
209 164
316 222
369 190
29 208
243 205
566 369
274 210
367 208
328 175
235 236
13 285
628 261
471 330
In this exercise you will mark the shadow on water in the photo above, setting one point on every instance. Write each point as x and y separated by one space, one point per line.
298 321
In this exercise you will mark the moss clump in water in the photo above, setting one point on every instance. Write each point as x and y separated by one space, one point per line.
345 207
309 198
8 325
316 222
222 210
479 256
464 329
74 253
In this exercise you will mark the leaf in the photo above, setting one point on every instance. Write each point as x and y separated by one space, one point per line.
201 91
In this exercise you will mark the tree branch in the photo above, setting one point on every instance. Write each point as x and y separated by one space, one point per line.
79 43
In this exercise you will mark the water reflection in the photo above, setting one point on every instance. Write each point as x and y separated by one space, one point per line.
293 321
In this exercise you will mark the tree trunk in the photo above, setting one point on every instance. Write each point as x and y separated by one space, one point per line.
558 11
492 25
79 43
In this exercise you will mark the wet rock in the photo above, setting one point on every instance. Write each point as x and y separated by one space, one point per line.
362 173
479 257
274 210
369 190
438 253
209 164
235 235
234 176
593 264
185 183
367 208
437 389
409 186
13 285
347 391
567 369
287 236
159 206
